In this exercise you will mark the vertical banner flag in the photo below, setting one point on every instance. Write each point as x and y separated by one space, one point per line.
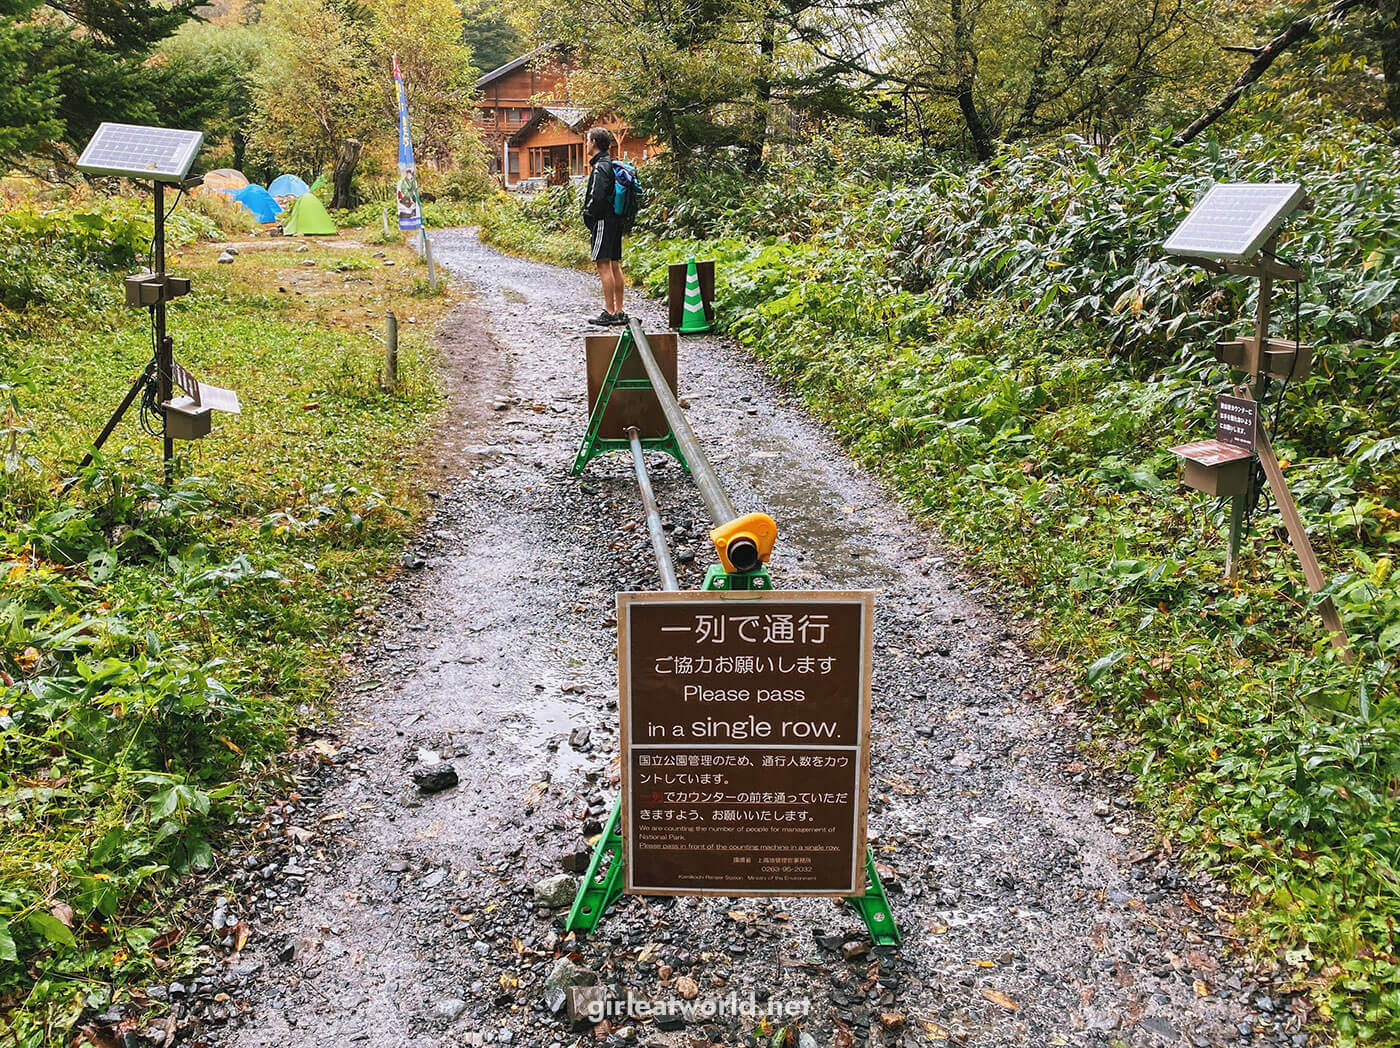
410 212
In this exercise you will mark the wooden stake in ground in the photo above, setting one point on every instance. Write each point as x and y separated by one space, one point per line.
390 380
1297 534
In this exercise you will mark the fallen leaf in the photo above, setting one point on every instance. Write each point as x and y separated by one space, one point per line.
932 1030
1000 999
166 939
61 911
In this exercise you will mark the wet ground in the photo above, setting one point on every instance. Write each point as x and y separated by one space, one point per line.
1034 907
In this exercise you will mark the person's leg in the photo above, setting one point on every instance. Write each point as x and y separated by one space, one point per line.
618 285
605 278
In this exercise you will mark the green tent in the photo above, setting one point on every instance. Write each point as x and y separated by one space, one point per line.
308 218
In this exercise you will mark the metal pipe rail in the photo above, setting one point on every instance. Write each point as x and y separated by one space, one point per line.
741 549
664 564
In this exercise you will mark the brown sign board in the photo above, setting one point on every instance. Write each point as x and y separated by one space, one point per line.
745 741
1210 452
1236 421
630 407
675 297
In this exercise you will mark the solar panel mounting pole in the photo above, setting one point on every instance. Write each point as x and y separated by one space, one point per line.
165 350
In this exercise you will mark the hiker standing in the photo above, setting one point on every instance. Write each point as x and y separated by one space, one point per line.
605 227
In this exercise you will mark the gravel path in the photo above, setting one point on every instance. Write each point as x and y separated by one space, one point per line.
1035 910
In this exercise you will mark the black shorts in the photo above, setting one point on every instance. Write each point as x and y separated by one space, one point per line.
606 242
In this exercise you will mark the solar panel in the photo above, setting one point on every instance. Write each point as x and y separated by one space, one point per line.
1234 220
160 154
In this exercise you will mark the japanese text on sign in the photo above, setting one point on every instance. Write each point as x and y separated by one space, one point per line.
744 748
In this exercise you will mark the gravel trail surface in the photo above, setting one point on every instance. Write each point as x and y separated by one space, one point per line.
1035 907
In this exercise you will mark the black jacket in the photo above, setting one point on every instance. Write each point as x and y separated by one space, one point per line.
598 199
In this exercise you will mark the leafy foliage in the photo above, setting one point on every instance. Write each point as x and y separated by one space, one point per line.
160 644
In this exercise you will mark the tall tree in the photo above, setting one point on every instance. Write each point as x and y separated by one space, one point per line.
226 56
71 64
438 75
315 102
28 93
688 72
1380 21
1010 69
493 40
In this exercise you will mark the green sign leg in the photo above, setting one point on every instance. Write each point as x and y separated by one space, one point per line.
874 908
602 884
716 578
594 445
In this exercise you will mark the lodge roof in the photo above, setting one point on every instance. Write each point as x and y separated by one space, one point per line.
572 117
516 63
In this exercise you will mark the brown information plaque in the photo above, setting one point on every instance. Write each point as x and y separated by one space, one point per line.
745 741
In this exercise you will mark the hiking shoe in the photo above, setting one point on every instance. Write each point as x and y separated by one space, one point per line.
620 318
603 319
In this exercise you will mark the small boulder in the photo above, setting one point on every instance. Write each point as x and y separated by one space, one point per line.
566 973
434 778
556 891
225 258
449 1008
586 1005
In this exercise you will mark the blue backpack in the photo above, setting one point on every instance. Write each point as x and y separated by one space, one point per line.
627 193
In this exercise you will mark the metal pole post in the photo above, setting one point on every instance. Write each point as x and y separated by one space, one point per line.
1232 552
428 257
391 350
717 503
164 346
658 537
743 552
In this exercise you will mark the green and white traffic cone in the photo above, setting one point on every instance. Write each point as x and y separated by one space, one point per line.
693 320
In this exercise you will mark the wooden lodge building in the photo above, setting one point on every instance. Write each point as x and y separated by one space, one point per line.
531 130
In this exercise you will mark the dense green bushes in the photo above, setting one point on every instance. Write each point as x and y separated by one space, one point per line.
1006 344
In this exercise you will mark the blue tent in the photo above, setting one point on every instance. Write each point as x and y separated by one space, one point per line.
259 201
288 185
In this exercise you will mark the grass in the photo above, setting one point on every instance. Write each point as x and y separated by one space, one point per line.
160 645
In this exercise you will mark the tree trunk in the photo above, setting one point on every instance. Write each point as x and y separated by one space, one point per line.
966 57
347 158
240 149
1296 31
763 95
1388 33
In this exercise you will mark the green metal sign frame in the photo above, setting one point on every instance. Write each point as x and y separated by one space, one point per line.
593 445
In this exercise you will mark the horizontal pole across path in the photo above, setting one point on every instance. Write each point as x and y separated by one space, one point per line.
664 563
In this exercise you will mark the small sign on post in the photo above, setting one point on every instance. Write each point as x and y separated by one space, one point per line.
1236 421
745 742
